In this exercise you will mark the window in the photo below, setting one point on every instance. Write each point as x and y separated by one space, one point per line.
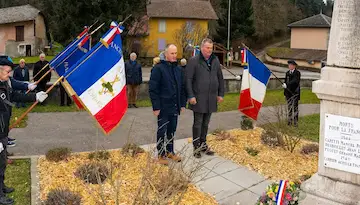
19 33
189 26
162 26
161 44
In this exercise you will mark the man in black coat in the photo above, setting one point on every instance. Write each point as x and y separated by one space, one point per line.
133 79
167 94
21 73
6 97
37 69
205 89
292 92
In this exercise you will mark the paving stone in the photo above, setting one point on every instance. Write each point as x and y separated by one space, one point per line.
245 197
243 177
219 187
260 188
220 165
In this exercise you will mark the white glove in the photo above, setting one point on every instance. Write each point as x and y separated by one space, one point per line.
32 86
1 147
238 77
41 96
284 85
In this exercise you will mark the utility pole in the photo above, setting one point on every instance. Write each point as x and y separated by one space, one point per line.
228 38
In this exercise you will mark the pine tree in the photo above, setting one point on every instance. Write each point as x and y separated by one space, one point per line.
241 25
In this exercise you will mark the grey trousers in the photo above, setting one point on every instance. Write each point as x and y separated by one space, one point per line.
200 129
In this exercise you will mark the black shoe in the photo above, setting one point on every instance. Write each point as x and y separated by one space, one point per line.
6 200
197 155
134 105
11 139
208 152
8 190
130 106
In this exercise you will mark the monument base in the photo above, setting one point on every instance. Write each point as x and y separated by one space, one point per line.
321 190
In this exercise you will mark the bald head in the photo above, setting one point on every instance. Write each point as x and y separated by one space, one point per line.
171 53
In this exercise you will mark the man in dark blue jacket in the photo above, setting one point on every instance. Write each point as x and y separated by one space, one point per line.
133 79
167 94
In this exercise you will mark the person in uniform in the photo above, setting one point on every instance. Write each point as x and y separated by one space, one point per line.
6 97
292 92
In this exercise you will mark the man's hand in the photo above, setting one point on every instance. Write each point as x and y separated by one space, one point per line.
192 101
284 85
156 112
220 99
32 86
182 109
41 96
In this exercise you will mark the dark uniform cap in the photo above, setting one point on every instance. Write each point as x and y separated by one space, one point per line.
292 62
6 60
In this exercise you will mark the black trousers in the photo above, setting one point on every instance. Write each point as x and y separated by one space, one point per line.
167 124
63 93
293 110
200 129
3 161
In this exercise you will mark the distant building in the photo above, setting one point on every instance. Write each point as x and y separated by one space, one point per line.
22 31
311 33
308 45
155 30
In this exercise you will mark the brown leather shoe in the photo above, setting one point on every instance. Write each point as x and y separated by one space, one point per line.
174 157
163 161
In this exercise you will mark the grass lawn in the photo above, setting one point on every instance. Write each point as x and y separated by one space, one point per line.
32 59
18 176
51 107
309 127
273 97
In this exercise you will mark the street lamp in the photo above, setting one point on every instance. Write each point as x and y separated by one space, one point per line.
228 38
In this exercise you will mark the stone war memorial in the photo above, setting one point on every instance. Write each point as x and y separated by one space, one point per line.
338 178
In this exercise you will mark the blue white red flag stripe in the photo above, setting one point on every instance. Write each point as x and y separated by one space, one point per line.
103 90
253 86
281 192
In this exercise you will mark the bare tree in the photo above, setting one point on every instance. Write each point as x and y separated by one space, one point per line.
189 33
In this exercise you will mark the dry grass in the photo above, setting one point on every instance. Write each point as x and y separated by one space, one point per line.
273 163
130 175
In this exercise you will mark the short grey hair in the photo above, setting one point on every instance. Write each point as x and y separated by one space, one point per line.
133 54
206 40
42 55
183 62
168 46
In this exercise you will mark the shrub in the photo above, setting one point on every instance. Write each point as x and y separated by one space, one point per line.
172 182
224 135
271 138
131 149
246 123
93 172
99 155
60 196
310 148
251 151
58 154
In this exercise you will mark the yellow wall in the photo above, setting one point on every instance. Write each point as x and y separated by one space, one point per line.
40 29
151 42
310 38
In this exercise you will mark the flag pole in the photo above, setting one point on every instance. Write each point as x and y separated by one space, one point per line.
39 72
261 61
33 105
42 77
267 67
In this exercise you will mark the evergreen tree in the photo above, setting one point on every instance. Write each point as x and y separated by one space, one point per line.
241 25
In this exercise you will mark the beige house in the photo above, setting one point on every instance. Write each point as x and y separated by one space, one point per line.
311 33
308 46
22 31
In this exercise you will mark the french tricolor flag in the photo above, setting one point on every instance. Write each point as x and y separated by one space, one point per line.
98 78
281 192
253 86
